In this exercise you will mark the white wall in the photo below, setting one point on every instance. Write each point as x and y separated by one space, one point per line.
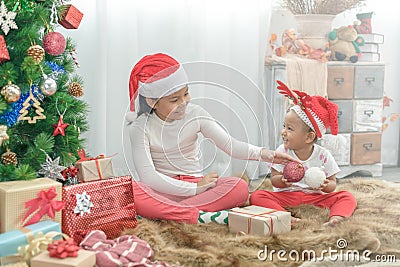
385 20
103 92
115 34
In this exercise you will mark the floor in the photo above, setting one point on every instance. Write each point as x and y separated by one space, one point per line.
390 175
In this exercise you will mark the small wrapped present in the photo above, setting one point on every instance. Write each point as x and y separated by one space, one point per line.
105 205
93 169
85 259
4 55
71 17
26 202
255 220
13 242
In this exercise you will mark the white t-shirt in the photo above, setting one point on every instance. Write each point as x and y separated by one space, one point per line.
320 157
163 149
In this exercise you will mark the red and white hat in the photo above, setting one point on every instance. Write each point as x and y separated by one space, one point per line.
316 111
155 76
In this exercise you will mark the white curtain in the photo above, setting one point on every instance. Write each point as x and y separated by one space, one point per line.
229 36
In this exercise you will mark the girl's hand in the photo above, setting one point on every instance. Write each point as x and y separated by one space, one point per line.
276 157
208 181
211 176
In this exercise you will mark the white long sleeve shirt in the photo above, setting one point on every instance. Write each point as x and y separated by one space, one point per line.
163 149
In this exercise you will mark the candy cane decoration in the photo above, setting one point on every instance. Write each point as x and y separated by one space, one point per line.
72 53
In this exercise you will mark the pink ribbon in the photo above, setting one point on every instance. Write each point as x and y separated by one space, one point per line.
63 249
42 205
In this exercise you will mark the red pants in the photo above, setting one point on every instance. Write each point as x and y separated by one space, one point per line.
229 192
340 203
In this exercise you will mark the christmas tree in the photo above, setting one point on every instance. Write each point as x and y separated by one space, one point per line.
41 115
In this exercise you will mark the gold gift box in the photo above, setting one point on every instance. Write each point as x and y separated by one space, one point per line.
13 196
95 169
255 220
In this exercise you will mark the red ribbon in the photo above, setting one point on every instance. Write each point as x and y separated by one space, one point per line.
71 171
82 155
63 249
43 204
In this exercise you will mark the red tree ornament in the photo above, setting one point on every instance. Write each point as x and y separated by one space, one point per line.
60 127
54 43
4 55
293 172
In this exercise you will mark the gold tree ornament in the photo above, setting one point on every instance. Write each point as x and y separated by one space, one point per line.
3 134
9 157
36 52
36 105
11 92
75 89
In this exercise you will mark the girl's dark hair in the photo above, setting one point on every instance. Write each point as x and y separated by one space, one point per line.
143 106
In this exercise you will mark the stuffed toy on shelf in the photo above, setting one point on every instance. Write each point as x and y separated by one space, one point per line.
344 44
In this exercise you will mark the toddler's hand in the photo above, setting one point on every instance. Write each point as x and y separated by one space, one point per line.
323 185
286 182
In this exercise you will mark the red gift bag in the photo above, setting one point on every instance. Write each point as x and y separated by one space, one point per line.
105 205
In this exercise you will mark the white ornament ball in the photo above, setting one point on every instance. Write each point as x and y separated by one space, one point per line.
314 177
48 86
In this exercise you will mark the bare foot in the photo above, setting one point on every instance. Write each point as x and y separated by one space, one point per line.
334 220
294 220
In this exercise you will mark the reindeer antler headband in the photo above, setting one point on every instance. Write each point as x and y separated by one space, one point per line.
301 99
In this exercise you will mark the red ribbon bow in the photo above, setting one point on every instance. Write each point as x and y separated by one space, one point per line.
43 204
63 249
82 155
71 171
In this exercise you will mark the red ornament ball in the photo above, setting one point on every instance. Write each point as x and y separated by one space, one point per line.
54 43
293 172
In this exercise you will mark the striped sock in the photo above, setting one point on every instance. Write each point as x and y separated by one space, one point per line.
220 217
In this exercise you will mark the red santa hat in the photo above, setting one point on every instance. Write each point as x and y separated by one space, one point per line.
155 76
316 111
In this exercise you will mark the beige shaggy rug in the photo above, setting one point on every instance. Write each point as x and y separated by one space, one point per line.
374 229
